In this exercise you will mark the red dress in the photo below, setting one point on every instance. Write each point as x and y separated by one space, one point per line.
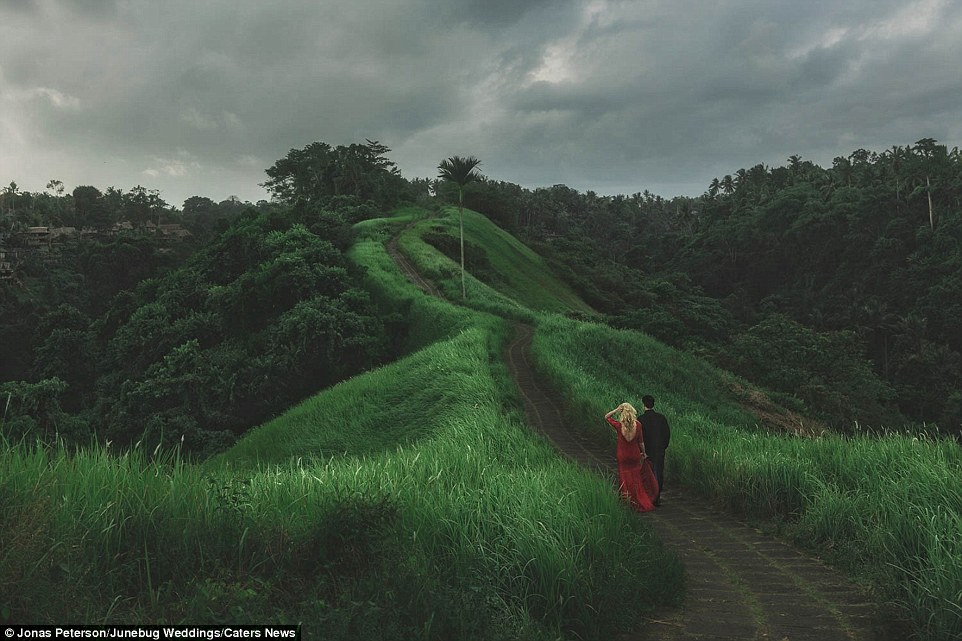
636 480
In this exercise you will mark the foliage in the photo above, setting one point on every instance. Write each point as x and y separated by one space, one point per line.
318 174
262 316
823 369
853 248
33 410
406 502
887 508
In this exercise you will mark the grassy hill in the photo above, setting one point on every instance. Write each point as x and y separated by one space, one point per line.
886 508
407 502
413 499
511 277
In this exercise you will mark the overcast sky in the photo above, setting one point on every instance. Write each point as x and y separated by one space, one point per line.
197 97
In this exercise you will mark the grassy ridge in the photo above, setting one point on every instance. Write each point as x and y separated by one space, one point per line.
633 364
483 505
887 509
426 319
409 502
412 499
525 283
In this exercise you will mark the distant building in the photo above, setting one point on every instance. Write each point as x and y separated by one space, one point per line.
59 234
47 243
37 237
6 267
173 230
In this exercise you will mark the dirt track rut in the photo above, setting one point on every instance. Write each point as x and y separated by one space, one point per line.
742 584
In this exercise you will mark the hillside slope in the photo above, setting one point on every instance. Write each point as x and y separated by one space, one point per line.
854 499
831 493
486 517
507 266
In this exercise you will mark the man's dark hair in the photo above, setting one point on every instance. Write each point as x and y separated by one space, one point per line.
648 401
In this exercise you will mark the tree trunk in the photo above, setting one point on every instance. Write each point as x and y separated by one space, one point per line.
898 195
464 294
928 192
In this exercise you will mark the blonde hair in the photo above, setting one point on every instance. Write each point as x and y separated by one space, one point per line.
628 417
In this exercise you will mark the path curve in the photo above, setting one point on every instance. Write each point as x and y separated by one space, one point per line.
409 271
742 584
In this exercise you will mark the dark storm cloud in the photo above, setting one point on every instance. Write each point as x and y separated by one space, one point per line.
681 95
494 13
616 96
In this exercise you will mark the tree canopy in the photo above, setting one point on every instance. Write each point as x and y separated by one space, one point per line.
318 174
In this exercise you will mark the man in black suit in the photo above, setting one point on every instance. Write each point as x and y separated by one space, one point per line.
657 435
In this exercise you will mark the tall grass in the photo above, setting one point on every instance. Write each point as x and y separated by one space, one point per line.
481 497
523 275
425 319
91 536
409 502
468 505
525 284
888 509
595 365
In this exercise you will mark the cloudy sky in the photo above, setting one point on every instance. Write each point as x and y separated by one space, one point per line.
198 97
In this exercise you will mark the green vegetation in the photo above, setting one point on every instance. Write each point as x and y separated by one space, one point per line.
390 486
888 509
854 499
407 501
413 321
864 257
515 279
126 340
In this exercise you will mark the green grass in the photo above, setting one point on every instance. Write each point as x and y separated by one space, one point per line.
594 365
885 508
412 502
525 284
408 502
425 319
445 510
480 496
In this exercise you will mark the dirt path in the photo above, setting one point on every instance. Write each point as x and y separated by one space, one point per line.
408 270
742 584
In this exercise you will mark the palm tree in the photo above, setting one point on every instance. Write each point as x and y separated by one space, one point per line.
728 185
795 164
10 197
460 171
897 156
713 188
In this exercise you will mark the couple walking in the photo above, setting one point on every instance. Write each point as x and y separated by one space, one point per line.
642 441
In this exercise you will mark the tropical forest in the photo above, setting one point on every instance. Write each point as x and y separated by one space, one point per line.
320 409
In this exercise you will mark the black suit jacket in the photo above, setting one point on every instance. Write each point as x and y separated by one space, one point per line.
656 431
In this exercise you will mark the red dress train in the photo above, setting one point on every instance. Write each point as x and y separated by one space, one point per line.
637 481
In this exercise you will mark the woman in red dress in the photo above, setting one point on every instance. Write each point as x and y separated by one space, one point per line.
637 482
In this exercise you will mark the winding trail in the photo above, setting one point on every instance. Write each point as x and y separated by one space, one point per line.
742 584
409 271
